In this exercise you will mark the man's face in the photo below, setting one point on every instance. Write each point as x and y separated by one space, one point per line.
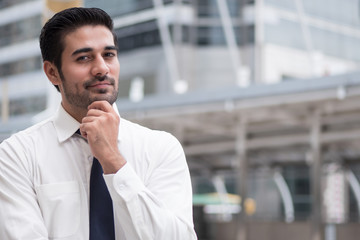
90 68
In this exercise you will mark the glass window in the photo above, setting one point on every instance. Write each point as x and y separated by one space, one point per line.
298 179
214 35
284 4
335 44
140 35
9 3
210 36
117 8
287 33
27 105
343 12
19 31
21 66
203 185
209 8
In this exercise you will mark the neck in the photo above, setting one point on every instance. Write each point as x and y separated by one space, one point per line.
77 113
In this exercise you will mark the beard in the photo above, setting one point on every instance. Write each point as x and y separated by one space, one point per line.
82 99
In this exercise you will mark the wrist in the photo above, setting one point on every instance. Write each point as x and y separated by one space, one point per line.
113 164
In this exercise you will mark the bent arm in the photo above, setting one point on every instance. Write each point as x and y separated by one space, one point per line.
161 208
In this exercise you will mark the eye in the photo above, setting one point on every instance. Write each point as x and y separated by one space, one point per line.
109 54
82 58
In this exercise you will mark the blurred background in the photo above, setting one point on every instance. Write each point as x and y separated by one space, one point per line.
264 96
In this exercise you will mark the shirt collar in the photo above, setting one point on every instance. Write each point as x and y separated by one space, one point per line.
66 125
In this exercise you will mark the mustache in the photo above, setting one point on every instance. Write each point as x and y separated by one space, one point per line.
96 79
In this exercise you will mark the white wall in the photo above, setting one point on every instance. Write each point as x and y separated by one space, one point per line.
281 61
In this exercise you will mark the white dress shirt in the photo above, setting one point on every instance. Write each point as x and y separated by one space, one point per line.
45 175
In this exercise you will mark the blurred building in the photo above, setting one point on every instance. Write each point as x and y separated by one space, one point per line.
264 96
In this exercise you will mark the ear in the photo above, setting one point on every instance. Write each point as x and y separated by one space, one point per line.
52 73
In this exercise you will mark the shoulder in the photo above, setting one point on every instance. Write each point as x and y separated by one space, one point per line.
29 137
20 150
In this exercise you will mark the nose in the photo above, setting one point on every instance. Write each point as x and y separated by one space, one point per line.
100 67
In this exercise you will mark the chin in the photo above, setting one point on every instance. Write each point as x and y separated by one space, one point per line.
109 98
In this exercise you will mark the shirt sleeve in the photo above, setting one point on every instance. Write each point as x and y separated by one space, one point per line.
20 215
161 208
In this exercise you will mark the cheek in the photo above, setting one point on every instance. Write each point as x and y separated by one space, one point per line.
115 66
117 75
75 74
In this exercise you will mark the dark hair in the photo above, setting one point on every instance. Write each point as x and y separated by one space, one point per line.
62 23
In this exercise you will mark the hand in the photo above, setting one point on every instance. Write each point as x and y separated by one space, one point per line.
101 127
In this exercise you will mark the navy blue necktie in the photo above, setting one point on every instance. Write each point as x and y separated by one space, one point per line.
101 208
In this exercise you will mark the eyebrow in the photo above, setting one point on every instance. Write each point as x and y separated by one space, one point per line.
85 50
111 48
81 50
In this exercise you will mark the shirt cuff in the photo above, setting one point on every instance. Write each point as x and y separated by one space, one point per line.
124 184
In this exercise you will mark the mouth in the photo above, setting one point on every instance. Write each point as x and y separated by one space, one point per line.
100 85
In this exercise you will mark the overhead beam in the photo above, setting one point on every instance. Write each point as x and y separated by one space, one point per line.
327 98
272 142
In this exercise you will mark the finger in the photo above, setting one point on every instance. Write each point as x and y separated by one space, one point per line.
89 119
88 128
83 131
101 105
95 112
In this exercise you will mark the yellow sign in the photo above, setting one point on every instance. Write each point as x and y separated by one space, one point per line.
58 5
53 6
250 206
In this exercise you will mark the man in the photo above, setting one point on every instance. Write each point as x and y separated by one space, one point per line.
46 172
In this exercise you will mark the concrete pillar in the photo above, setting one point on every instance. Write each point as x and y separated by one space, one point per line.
316 165
259 42
242 174
5 101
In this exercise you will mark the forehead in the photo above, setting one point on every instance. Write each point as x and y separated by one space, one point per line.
96 37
